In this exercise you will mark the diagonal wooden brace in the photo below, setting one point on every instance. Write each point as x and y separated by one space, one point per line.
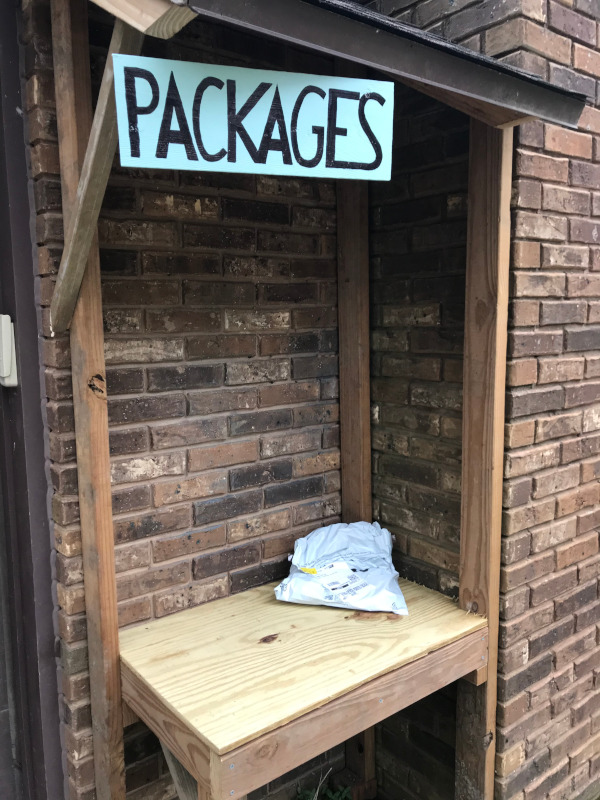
160 18
96 168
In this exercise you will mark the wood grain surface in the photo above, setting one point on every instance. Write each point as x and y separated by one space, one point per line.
244 665
486 320
159 18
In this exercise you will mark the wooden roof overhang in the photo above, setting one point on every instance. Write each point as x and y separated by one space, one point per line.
485 89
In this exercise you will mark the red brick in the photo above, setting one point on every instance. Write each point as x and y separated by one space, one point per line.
129 586
570 741
526 255
579 549
518 519
191 542
190 489
590 568
514 603
555 480
190 595
526 724
557 370
524 462
550 535
573 647
524 313
222 455
527 194
516 492
579 596
590 118
526 571
549 168
572 24
519 433
565 256
568 143
562 311
144 468
550 585
581 447
576 499
590 519
547 227
582 173
558 426
525 402
522 372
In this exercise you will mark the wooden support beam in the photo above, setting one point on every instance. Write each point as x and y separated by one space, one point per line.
355 405
353 316
83 215
490 176
478 676
160 18
186 785
74 118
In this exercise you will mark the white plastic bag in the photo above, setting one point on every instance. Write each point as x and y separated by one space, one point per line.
347 566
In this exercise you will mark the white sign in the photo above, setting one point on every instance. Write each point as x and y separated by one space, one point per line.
183 115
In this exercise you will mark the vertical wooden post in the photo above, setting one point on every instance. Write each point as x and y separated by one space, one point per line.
490 176
74 117
353 314
355 416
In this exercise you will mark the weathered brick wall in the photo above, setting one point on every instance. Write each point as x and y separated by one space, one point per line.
221 348
418 237
549 709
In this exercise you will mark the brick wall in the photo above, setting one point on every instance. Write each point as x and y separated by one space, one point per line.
418 237
549 709
220 315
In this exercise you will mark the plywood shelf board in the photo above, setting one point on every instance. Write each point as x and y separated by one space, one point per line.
245 665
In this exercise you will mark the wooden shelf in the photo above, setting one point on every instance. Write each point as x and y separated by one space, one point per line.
228 684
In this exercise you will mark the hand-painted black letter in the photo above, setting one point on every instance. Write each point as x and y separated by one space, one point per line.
367 129
133 109
236 118
268 143
332 130
167 135
316 129
202 87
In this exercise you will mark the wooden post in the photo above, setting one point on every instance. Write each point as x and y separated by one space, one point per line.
353 314
355 403
74 117
490 176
